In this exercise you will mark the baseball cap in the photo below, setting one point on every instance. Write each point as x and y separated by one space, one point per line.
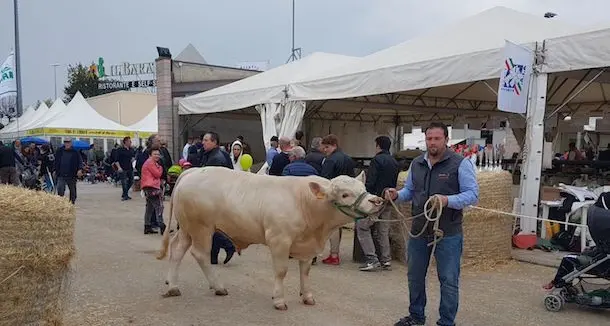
274 138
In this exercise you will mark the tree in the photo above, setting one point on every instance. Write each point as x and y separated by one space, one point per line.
83 79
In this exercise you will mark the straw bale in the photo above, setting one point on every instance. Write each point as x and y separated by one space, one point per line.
36 248
487 236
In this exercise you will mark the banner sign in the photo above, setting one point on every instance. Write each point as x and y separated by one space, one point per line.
92 133
515 78
124 85
8 87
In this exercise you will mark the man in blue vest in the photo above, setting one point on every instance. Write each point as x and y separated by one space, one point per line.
448 175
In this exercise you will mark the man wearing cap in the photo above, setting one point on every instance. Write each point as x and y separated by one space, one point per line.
68 166
272 151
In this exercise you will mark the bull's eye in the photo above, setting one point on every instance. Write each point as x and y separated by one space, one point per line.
345 195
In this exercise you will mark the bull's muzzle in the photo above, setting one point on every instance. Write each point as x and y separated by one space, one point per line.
377 201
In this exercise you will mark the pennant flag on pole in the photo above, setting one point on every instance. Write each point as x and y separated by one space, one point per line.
8 87
515 78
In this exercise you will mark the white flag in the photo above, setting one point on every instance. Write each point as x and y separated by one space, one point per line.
515 78
8 87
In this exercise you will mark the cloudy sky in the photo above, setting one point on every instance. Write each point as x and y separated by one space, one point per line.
230 31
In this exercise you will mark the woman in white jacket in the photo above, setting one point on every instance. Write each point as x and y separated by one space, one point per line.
237 150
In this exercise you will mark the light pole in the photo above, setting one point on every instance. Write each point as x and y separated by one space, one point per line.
55 65
17 60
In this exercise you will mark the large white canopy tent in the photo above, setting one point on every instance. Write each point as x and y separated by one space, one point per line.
42 110
57 108
16 125
148 125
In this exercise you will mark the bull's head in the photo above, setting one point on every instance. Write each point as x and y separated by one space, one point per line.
349 196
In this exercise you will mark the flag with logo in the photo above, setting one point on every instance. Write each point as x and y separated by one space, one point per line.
515 78
8 87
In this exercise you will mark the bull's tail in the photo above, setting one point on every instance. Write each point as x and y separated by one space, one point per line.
165 243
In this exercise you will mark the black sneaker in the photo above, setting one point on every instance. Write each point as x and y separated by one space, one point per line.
370 267
409 321
149 230
387 266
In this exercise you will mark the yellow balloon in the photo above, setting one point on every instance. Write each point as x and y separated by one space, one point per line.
246 162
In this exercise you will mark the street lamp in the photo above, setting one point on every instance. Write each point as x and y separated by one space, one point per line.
549 14
55 65
17 60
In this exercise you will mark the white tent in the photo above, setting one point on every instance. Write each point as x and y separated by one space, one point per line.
57 108
266 87
148 124
81 120
18 123
42 110
466 51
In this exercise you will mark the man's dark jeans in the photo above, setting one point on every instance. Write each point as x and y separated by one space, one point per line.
62 182
126 182
448 256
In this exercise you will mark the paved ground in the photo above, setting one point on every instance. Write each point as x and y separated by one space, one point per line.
119 282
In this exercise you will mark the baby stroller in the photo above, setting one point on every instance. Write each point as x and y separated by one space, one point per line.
589 283
29 178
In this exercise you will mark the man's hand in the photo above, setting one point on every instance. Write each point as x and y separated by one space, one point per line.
391 194
79 173
444 200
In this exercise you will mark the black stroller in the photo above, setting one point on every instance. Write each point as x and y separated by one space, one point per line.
589 283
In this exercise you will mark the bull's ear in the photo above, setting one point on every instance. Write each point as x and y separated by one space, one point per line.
318 190
361 177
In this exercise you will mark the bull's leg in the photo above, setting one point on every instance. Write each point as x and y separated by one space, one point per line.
178 246
280 250
306 295
202 246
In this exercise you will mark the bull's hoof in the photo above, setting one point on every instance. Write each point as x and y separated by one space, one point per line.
280 306
309 301
175 292
221 292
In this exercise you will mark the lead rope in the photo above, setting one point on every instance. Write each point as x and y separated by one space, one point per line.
433 210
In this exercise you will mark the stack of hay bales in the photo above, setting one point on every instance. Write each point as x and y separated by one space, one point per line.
36 247
397 234
487 236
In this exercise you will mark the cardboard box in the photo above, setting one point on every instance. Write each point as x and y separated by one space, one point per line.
550 193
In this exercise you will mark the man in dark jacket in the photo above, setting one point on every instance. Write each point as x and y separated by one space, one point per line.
211 155
8 172
315 157
123 161
382 174
336 163
68 166
452 178
298 167
280 160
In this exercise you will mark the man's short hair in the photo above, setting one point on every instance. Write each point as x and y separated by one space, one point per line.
299 135
316 141
274 138
331 140
383 142
284 141
438 125
298 152
191 138
213 137
126 139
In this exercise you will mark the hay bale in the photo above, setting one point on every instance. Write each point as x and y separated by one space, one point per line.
488 236
36 247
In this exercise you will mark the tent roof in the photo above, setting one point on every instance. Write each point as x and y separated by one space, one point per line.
79 114
586 48
466 51
150 123
17 124
265 87
38 114
190 54
56 109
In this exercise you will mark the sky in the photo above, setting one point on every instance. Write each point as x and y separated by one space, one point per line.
232 31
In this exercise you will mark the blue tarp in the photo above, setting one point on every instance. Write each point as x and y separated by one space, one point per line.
80 145
35 140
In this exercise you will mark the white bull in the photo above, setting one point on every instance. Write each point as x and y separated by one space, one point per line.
293 216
